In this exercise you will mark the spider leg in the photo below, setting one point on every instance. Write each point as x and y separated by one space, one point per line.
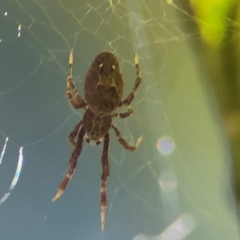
138 80
105 174
123 115
74 133
73 164
124 143
73 96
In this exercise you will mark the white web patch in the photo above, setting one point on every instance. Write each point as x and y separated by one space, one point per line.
147 189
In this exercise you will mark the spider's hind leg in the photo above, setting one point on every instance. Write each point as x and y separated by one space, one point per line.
73 96
138 80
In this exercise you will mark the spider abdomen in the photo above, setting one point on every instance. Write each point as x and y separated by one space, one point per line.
104 84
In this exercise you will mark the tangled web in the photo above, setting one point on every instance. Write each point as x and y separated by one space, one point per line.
148 190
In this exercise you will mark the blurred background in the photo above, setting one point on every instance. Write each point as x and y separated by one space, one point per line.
183 180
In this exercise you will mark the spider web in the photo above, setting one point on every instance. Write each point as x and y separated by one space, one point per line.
170 187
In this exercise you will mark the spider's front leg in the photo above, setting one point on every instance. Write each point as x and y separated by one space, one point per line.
138 80
73 164
73 96
74 133
105 174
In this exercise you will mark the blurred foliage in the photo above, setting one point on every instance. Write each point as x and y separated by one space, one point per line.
211 18
219 26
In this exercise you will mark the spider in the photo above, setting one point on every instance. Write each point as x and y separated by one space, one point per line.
103 93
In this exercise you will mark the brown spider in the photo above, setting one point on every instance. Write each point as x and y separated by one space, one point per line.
103 94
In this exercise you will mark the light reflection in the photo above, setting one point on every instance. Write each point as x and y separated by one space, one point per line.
168 182
3 150
165 145
19 30
16 176
178 230
18 171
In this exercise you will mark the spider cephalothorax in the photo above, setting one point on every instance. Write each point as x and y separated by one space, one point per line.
103 94
95 127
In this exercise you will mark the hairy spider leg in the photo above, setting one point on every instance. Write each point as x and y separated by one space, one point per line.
123 142
123 115
73 164
138 80
105 174
74 133
73 96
